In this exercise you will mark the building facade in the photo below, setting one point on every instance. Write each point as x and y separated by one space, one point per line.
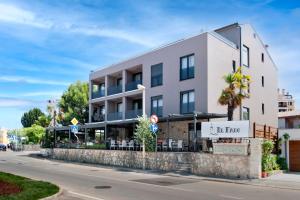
183 77
286 102
289 123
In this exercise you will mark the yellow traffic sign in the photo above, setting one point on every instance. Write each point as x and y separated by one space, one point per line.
74 121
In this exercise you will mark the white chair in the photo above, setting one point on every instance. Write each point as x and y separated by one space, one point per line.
124 144
180 145
165 145
113 144
170 144
131 145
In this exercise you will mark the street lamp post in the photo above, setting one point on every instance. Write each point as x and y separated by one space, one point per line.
141 87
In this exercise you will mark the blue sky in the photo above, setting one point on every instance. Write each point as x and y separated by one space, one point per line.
46 45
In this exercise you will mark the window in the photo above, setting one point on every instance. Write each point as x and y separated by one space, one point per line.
245 56
233 66
263 108
157 105
187 102
187 65
246 113
119 81
262 57
137 104
263 81
119 107
156 75
137 77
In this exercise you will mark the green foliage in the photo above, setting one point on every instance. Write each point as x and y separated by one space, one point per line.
282 163
269 161
286 137
143 131
29 118
74 103
96 146
31 189
43 121
235 92
34 134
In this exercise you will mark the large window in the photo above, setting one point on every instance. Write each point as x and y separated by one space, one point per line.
246 113
157 105
156 75
187 65
187 102
245 56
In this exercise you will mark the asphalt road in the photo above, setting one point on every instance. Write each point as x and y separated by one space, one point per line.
103 183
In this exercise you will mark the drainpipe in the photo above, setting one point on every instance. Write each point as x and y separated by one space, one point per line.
241 63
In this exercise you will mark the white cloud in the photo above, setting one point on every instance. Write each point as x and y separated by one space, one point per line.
11 102
43 93
13 14
30 80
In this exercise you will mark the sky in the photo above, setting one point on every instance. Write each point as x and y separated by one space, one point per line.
47 45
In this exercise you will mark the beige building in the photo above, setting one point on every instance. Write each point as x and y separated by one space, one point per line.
3 136
285 101
184 77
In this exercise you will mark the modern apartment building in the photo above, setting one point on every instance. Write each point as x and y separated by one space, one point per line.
285 101
183 77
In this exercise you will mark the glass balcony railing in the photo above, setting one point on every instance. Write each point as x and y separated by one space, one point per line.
114 89
98 94
98 118
114 116
130 114
132 85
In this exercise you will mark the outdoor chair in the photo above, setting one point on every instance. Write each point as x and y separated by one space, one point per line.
170 144
180 145
131 145
113 144
165 145
123 145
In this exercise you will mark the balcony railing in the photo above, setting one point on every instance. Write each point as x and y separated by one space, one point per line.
114 116
114 89
98 94
98 118
130 114
132 85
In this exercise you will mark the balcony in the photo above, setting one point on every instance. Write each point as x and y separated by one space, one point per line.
132 85
98 118
130 114
98 94
114 89
114 116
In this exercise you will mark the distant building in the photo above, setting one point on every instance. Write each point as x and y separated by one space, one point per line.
285 101
289 123
3 136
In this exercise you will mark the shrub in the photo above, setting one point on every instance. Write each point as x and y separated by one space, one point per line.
269 161
282 163
267 147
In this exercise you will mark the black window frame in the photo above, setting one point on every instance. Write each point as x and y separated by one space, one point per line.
248 110
263 108
159 77
181 99
233 65
190 72
157 98
262 57
262 81
248 56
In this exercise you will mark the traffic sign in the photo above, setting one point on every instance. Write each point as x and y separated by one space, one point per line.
154 119
74 129
154 128
74 121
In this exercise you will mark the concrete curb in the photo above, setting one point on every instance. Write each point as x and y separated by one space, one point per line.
55 196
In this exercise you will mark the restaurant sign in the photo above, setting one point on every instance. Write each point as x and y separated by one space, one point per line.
225 129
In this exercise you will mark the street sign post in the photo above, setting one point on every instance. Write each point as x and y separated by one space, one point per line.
74 129
154 128
74 121
154 119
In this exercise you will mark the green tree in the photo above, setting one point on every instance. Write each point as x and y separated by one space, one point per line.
286 138
235 92
34 134
29 118
143 133
43 121
74 103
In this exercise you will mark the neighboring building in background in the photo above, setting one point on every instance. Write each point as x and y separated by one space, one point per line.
3 136
289 123
183 77
285 101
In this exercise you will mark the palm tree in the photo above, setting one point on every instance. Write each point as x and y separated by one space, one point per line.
233 95
286 138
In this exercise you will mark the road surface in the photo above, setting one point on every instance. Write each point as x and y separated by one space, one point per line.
104 183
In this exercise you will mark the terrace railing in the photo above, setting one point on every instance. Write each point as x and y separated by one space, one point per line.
130 114
132 85
114 89
114 116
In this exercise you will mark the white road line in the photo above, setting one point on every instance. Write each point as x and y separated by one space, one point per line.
83 195
231 197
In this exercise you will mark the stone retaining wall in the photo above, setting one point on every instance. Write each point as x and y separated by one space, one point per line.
230 166
33 147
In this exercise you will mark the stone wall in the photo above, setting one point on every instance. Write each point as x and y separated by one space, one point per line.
206 164
33 147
